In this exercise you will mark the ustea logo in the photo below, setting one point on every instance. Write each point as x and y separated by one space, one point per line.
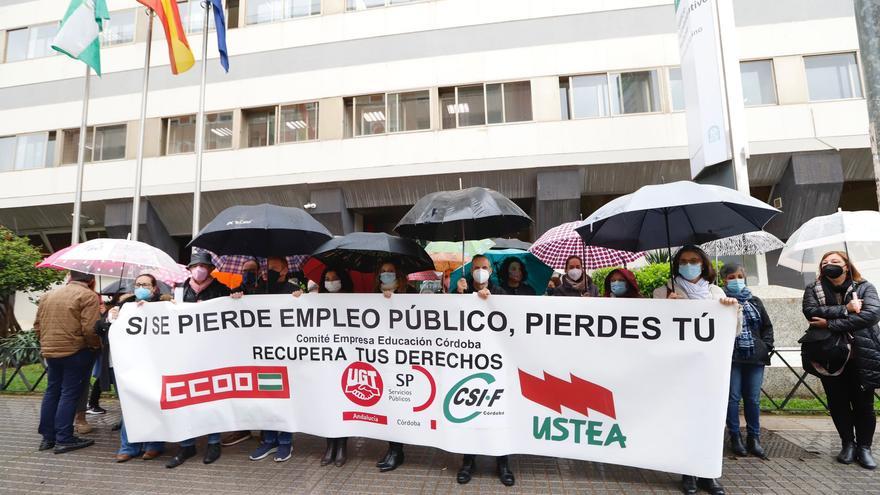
362 384
237 382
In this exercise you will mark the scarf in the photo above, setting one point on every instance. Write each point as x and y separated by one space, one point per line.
199 287
699 290
581 286
744 347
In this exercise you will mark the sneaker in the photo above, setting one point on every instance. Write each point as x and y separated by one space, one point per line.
263 451
96 410
75 444
283 453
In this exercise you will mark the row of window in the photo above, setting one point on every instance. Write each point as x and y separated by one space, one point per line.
36 41
829 77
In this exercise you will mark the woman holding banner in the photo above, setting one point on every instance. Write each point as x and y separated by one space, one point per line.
575 282
843 310
335 281
693 277
751 352
146 289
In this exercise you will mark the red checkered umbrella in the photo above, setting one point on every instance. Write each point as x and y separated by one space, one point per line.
562 241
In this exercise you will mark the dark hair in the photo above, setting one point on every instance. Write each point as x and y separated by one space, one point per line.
81 277
730 269
632 285
480 256
708 272
851 269
505 268
347 285
150 276
574 257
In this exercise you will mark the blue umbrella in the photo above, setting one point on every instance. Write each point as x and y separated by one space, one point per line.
538 273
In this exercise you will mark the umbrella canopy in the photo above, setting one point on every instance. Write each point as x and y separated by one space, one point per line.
751 243
235 263
262 230
424 275
538 273
449 255
118 258
127 287
362 282
563 241
366 251
473 213
855 232
674 214
503 243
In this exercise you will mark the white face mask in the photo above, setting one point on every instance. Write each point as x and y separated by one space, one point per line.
481 275
333 285
575 274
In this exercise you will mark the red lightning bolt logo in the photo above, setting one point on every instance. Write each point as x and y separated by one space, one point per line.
578 395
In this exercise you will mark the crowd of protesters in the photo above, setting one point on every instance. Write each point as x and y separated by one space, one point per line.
72 328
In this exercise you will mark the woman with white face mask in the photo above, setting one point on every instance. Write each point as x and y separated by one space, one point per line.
335 281
575 282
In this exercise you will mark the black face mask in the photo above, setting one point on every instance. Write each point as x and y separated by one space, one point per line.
249 278
832 271
273 276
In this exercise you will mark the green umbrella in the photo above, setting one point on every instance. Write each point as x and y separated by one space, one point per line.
538 273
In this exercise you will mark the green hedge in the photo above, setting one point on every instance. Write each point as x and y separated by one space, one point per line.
649 277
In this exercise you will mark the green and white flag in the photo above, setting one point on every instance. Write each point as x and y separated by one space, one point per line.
269 381
79 34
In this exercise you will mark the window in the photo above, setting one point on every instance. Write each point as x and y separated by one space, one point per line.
102 143
120 28
369 4
833 77
218 131
676 89
617 93
27 151
259 126
299 122
181 133
588 96
635 92
30 42
479 104
260 11
392 112
757 83
16 44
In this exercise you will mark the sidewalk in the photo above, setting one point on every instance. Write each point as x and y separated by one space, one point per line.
801 451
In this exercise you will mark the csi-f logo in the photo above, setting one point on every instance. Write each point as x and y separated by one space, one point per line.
237 382
472 391
362 384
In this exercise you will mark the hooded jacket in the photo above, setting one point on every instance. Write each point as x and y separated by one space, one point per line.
631 281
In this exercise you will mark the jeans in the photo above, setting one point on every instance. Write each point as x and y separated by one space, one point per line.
851 407
277 437
745 384
82 402
64 386
136 449
213 438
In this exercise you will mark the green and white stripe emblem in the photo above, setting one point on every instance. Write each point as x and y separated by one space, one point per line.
269 381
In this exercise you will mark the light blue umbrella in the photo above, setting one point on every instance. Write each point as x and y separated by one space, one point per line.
538 273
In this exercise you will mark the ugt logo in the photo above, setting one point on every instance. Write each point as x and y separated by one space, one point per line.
237 382
362 384
579 396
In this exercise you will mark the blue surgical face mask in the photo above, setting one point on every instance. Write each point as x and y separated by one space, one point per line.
387 278
618 287
736 285
689 271
142 293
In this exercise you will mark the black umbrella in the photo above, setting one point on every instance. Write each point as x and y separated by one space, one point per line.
674 214
502 243
366 251
473 213
127 287
262 230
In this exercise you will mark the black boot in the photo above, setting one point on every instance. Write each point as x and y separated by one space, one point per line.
688 484
212 454
327 458
182 455
384 459
864 457
341 452
468 464
847 453
711 485
736 445
504 472
755 447
393 459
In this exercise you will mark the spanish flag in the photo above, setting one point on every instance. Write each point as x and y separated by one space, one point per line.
179 54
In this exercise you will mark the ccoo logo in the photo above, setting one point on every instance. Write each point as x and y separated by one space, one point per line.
237 382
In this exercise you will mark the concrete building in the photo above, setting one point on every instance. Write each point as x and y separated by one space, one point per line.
362 106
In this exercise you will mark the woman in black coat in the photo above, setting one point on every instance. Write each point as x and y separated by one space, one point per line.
839 302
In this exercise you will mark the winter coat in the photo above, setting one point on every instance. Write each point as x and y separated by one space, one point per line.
764 341
715 292
214 290
524 289
566 289
863 326
65 322
493 289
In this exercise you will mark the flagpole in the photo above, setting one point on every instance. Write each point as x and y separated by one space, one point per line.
200 126
80 162
136 204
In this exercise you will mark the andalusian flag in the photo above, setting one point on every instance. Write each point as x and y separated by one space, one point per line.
78 36
179 54
269 381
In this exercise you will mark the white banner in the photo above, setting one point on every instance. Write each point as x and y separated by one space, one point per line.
626 381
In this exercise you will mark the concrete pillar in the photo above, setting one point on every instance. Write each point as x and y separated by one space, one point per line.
558 199
330 121
791 80
545 99
332 7
331 211
153 138
117 221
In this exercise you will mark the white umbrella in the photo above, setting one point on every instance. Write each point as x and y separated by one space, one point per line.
118 258
855 232
759 242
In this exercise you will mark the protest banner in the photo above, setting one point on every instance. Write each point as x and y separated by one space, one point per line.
627 381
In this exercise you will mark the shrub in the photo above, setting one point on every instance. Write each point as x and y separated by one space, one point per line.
599 277
20 349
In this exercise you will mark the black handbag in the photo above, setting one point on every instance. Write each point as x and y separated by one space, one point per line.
826 352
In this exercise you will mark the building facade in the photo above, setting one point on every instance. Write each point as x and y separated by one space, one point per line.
359 107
